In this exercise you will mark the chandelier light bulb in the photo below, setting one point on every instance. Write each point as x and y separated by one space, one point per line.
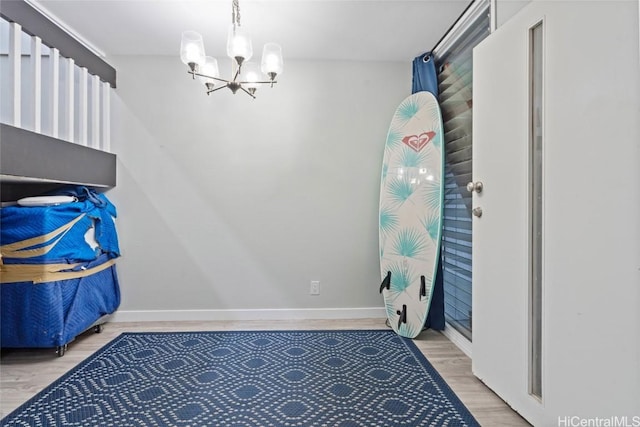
239 44
208 70
251 75
192 49
272 63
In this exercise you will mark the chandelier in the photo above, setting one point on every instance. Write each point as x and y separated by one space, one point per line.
247 76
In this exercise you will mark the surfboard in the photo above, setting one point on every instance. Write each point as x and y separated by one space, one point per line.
411 205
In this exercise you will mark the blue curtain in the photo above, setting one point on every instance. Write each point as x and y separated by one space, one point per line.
424 74
425 79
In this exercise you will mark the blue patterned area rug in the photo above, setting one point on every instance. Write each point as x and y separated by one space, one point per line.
257 379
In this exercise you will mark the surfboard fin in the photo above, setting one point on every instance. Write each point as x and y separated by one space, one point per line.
386 283
423 287
402 315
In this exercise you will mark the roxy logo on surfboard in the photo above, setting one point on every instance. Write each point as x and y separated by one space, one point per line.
418 142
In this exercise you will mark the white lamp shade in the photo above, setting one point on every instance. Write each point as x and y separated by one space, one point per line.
272 59
250 75
192 48
209 68
239 44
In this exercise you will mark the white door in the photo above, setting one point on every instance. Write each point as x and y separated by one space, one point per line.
590 205
500 235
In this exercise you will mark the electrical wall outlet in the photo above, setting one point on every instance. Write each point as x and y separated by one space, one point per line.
314 289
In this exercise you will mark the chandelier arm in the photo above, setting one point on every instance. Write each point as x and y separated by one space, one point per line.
216 89
235 77
262 83
210 77
248 93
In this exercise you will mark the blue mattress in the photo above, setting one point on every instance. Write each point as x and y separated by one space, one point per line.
61 230
58 274
52 314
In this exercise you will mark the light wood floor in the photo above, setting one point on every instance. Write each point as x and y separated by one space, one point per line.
24 372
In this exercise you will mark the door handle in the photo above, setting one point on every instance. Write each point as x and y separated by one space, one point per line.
475 186
477 212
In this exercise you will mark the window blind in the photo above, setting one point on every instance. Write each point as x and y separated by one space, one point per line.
455 86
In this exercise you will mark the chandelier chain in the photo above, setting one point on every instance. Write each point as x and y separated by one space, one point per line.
235 13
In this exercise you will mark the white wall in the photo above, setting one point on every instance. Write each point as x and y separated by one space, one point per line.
230 203
505 9
592 275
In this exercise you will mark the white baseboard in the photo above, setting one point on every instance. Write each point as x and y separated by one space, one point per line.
273 314
248 314
458 339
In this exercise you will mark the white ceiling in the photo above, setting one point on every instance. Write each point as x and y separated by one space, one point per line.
387 30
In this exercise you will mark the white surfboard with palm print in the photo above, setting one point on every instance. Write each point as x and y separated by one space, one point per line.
411 203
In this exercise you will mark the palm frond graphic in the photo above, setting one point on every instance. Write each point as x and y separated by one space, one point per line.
409 243
400 190
431 224
401 278
408 109
411 159
432 115
390 300
394 138
437 140
385 169
388 221
433 194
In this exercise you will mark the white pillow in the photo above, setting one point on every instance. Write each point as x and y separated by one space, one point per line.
46 200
